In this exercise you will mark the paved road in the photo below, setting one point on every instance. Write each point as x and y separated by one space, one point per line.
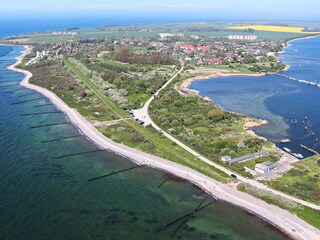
142 114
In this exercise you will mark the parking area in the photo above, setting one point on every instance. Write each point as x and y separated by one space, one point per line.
140 116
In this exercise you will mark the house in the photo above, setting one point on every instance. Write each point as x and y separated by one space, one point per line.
215 61
204 48
225 158
187 47
248 157
156 44
265 167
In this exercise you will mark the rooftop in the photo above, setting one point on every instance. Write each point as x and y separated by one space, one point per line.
266 165
248 157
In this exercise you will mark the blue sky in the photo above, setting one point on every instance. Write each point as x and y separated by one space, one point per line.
174 9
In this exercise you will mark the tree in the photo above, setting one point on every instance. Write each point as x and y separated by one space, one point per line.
216 114
166 99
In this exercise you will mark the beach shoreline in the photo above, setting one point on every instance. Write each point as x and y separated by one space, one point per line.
281 219
216 73
301 38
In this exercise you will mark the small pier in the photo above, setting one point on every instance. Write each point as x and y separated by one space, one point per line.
309 149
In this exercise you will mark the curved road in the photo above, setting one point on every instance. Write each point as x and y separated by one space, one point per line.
142 114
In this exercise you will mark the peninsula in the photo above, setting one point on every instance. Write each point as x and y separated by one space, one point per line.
130 95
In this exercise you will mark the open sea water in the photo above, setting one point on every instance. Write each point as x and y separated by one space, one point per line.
45 192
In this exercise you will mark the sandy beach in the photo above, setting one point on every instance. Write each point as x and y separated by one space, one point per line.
283 220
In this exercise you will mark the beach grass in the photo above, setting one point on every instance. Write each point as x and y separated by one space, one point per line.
309 215
303 181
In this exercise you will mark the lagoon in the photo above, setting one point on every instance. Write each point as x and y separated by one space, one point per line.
277 99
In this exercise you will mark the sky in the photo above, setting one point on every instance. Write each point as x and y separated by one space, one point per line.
293 10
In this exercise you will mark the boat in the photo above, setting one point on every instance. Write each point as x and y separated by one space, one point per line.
287 150
298 155
287 140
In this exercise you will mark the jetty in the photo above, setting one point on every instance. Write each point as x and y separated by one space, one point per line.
309 149
298 80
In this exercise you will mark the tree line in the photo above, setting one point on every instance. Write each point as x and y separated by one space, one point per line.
127 56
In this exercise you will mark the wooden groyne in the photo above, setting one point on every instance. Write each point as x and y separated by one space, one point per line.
41 113
9 81
113 173
15 90
186 217
44 105
50 125
30 100
8 85
61 139
28 94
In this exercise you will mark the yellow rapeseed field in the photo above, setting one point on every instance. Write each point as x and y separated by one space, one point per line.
273 29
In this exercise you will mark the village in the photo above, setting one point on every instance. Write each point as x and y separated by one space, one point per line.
192 50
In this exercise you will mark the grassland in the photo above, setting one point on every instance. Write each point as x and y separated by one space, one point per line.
204 29
272 29
307 214
130 133
60 81
303 181
205 128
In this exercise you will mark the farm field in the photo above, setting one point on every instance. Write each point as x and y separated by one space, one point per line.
271 28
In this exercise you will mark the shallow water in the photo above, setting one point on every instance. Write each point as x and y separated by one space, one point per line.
45 197
277 99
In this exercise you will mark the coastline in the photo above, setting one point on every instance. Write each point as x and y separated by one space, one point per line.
215 73
249 124
301 38
229 73
280 218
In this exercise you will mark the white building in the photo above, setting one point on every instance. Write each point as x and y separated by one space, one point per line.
167 35
265 167
243 37
225 158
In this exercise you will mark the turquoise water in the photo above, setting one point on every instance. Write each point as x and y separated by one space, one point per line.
45 197
277 99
